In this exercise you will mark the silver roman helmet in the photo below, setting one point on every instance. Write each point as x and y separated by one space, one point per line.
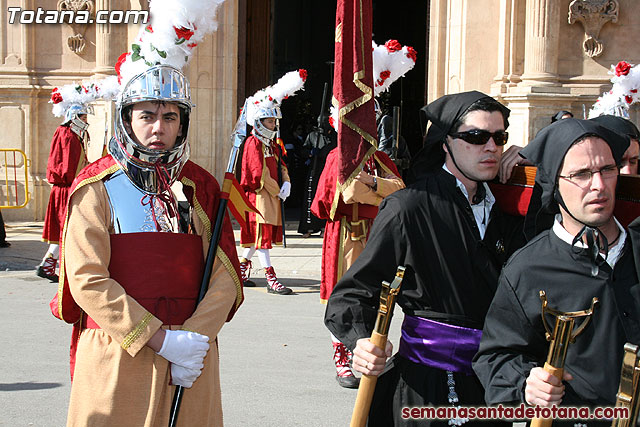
261 132
71 117
143 165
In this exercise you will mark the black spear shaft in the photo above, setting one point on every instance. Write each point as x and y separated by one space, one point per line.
211 256
237 137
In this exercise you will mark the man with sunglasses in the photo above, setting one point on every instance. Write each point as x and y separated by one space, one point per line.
452 238
585 254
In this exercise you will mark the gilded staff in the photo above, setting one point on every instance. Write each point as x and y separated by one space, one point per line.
379 339
563 334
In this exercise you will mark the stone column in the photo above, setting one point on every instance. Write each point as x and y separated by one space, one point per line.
542 31
104 60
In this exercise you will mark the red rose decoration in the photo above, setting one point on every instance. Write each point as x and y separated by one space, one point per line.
270 98
331 122
412 54
393 46
55 89
119 63
56 98
622 69
183 33
149 28
628 98
384 75
192 45
634 91
303 74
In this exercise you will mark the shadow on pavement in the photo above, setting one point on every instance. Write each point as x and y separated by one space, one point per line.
27 386
22 255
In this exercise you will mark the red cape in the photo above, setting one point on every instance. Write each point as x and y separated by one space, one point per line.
200 188
64 158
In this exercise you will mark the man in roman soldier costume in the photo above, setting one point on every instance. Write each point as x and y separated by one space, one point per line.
265 178
350 212
586 253
138 228
349 217
133 250
451 236
67 157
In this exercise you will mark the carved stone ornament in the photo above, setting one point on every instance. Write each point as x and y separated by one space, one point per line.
593 14
76 42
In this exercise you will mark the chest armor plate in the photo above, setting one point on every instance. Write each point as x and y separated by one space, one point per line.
131 209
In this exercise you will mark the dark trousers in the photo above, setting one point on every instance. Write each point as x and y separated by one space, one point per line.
3 233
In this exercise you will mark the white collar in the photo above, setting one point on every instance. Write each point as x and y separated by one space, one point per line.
614 251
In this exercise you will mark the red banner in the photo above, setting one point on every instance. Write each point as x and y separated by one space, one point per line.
353 86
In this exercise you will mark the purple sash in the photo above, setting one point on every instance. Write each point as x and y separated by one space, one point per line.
439 345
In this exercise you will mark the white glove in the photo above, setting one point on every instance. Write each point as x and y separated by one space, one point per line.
285 190
184 376
184 348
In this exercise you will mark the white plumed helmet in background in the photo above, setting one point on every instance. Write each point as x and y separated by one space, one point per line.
266 102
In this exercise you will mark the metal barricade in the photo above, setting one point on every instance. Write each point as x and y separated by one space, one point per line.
11 161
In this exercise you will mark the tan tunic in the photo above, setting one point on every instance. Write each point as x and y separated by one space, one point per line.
118 381
267 200
357 192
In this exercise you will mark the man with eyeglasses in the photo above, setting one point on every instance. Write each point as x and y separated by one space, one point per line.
585 254
453 239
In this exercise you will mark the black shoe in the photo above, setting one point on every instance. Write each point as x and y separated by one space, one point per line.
4 244
41 273
348 382
280 291
249 284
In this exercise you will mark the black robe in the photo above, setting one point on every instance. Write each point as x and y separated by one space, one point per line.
318 144
513 340
451 276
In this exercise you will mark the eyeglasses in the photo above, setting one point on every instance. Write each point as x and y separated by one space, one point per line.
481 137
584 177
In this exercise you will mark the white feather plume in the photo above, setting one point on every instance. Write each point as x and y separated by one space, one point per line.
390 62
176 27
83 93
624 91
272 96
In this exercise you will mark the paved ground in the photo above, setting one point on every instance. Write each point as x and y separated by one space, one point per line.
275 354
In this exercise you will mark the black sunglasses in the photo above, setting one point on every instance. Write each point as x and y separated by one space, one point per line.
481 137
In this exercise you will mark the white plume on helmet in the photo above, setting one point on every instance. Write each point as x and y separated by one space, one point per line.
151 71
266 102
82 93
390 62
623 93
176 27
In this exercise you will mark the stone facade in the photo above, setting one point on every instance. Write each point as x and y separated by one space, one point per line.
524 52
36 58
527 54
